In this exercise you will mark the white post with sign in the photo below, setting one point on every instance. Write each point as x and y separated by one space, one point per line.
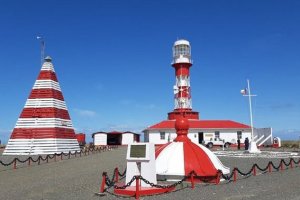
141 161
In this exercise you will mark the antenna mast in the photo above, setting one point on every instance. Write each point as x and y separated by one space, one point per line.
42 41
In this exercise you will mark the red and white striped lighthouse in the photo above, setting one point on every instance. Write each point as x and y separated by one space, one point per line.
181 157
182 89
44 126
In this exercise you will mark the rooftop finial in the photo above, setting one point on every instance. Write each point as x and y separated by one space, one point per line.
48 59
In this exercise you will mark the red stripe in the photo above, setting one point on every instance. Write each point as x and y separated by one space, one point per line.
182 69
47 75
41 133
46 93
45 113
195 159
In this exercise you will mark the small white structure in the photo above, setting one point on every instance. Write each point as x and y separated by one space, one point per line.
141 162
115 138
276 142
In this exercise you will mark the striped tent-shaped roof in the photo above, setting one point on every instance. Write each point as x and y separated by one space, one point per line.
44 125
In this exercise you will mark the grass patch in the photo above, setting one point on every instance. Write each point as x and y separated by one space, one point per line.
290 143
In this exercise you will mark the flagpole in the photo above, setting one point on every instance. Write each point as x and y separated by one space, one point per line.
253 147
250 107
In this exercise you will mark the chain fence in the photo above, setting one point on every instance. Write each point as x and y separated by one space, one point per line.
192 176
54 156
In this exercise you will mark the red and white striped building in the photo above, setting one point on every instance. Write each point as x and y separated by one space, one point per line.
44 126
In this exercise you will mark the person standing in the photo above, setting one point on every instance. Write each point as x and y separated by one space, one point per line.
239 143
246 143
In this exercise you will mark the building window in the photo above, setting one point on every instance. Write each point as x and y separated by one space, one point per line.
217 134
146 137
239 134
162 135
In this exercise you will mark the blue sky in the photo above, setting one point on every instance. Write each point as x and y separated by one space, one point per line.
113 60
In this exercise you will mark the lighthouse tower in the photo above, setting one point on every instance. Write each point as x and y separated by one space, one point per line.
182 62
181 157
44 126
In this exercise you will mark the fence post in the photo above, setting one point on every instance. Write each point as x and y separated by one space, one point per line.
291 162
192 180
47 158
218 178
29 159
39 160
15 164
61 156
103 182
55 157
117 174
281 165
254 170
269 167
234 174
137 187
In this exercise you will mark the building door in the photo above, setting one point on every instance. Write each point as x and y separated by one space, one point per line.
200 137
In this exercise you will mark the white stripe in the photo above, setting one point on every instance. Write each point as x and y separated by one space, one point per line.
215 160
40 146
43 123
44 84
45 103
171 160
47 66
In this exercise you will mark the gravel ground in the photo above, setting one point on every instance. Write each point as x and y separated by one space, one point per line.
79 178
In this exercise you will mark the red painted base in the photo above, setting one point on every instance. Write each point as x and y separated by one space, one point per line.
143 191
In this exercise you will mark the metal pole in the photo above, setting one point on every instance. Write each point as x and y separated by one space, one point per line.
41 39
250 107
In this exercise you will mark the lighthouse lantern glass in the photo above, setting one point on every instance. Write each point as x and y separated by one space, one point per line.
181 49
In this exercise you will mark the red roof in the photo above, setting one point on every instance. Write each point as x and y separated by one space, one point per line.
202 124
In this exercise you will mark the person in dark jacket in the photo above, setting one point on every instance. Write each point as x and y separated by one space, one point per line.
239 143
246 143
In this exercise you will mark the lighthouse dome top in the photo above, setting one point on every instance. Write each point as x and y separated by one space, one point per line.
182 42
48 59
182 52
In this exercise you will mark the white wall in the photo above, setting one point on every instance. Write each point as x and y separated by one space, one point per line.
194 137
127 138
100 139
228 135
244 135
155 138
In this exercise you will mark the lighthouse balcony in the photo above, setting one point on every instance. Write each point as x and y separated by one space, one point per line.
182 59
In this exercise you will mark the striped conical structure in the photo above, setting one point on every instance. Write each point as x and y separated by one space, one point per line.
44 126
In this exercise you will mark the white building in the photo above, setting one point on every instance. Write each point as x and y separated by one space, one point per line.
115 138
199 131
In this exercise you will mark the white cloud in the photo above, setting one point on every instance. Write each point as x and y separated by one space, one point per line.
85 113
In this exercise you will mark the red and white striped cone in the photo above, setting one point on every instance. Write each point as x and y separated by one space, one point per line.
44 126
